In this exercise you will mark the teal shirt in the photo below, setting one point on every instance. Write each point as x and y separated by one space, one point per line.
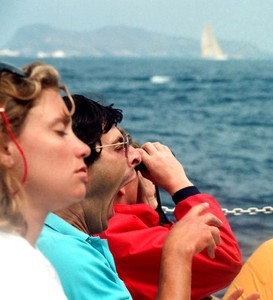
84 263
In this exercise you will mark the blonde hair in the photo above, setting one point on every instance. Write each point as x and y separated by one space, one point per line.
17 96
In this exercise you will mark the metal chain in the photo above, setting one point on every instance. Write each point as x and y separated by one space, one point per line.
235 211
250 211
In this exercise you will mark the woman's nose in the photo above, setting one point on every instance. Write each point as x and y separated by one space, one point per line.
84 149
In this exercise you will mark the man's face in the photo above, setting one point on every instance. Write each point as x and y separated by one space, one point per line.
112 170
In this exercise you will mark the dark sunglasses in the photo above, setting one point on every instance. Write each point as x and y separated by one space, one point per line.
11 69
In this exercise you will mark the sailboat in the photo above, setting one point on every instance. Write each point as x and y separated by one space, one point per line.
210 48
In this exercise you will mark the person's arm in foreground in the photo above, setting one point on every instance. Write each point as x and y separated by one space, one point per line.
189 236
195 232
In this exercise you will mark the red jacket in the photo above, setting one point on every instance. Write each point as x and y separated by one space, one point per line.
136 240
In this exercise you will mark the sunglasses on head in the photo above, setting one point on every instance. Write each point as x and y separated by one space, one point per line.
11 69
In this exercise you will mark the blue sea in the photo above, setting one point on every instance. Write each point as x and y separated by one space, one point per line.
216 116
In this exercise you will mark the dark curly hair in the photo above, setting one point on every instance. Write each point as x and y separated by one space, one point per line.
92 119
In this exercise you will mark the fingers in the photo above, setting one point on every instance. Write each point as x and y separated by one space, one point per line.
211 250
146 192
156 146
254 296
198 209
156 151
215 241
216 235
238 293
209 218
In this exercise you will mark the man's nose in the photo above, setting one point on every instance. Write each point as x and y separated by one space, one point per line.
134 157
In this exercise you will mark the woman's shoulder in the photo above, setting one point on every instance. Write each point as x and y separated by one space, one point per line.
11 243
22 263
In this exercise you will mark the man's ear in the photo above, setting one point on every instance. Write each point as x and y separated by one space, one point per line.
6 154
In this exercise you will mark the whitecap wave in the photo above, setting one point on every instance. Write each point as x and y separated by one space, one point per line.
156 79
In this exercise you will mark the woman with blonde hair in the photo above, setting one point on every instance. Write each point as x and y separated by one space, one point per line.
41 170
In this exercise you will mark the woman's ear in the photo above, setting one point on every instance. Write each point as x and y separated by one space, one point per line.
6 154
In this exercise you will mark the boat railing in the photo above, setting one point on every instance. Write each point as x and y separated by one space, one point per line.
235 211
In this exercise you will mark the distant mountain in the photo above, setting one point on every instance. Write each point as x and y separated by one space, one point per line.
39 40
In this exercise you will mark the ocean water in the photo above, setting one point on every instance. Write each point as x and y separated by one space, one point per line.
216 116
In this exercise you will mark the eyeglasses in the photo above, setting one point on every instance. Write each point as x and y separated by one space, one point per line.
11 69
95 151
125 143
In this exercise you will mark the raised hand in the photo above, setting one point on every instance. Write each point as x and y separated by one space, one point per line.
146 191
163 168
196 231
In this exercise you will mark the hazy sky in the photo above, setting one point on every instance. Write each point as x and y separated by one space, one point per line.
249 20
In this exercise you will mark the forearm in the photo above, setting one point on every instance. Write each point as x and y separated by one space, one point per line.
175 278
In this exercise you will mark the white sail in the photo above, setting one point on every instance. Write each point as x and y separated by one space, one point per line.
210 48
